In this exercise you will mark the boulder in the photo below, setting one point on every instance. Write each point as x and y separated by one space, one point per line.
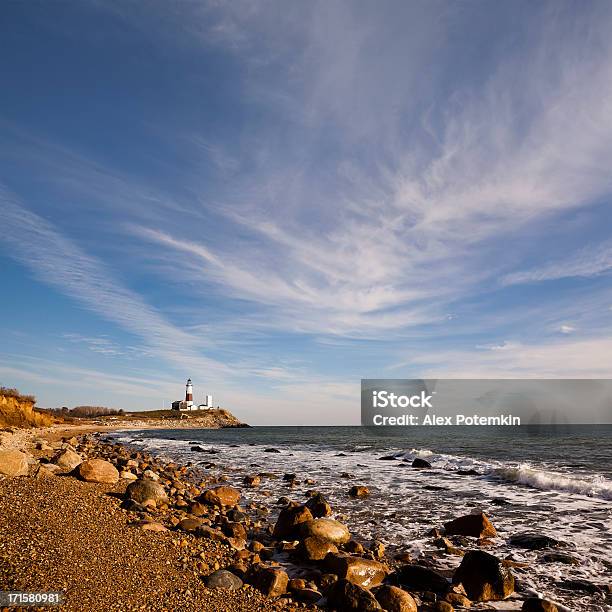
420 463
289 520
326 528
394 599
559 557
318 506
533 604
473 525
442 606
315 548
484 577
190 523
252 481
363 572
344 595
421 578
223 579
148 526
221 496
271 581
359 491
67 460
98 470
146 491
13 463
534 541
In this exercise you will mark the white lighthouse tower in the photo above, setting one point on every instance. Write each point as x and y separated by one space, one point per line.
189 394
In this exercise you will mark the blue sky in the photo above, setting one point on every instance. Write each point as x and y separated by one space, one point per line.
280 199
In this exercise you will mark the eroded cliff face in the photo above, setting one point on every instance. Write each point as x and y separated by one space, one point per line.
18 411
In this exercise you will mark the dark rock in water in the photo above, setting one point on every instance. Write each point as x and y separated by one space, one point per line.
289 519
468 473
210 451
535 541
344 595
435 488
473 525
271 450
341 455
289 477
222 579
500 501
559 557
387 458
318 506
271 581
420 463
394 599
533 604
483 577
359 491
346 475
421 578
579 585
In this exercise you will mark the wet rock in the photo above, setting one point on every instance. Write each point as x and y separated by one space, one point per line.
289 520
448 546
326 528
271 581
420 463
377 549
388 458
473 525
533 604
534 541
221 496
354 547
579 585
458 599
271 450
442 606
13 463
67 460
500 501
252 481
98 470
289 477
559 557
359 491
344 595
307 595
363 572
421 578
316 549
394 599
318 506
471 472
484 577
223 579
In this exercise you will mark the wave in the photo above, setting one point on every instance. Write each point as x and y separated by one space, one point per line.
596 486
522 474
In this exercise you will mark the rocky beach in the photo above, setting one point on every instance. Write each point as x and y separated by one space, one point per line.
115 527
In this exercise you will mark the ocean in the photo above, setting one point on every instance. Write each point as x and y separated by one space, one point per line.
554 480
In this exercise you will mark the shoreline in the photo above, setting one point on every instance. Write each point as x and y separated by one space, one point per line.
277 560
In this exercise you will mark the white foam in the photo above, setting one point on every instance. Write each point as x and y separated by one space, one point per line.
595 486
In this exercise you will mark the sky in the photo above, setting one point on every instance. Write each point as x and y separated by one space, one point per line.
279 199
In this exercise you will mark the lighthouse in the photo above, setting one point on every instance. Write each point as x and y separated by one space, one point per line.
189 394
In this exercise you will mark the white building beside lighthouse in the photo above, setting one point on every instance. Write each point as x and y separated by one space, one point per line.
187 403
